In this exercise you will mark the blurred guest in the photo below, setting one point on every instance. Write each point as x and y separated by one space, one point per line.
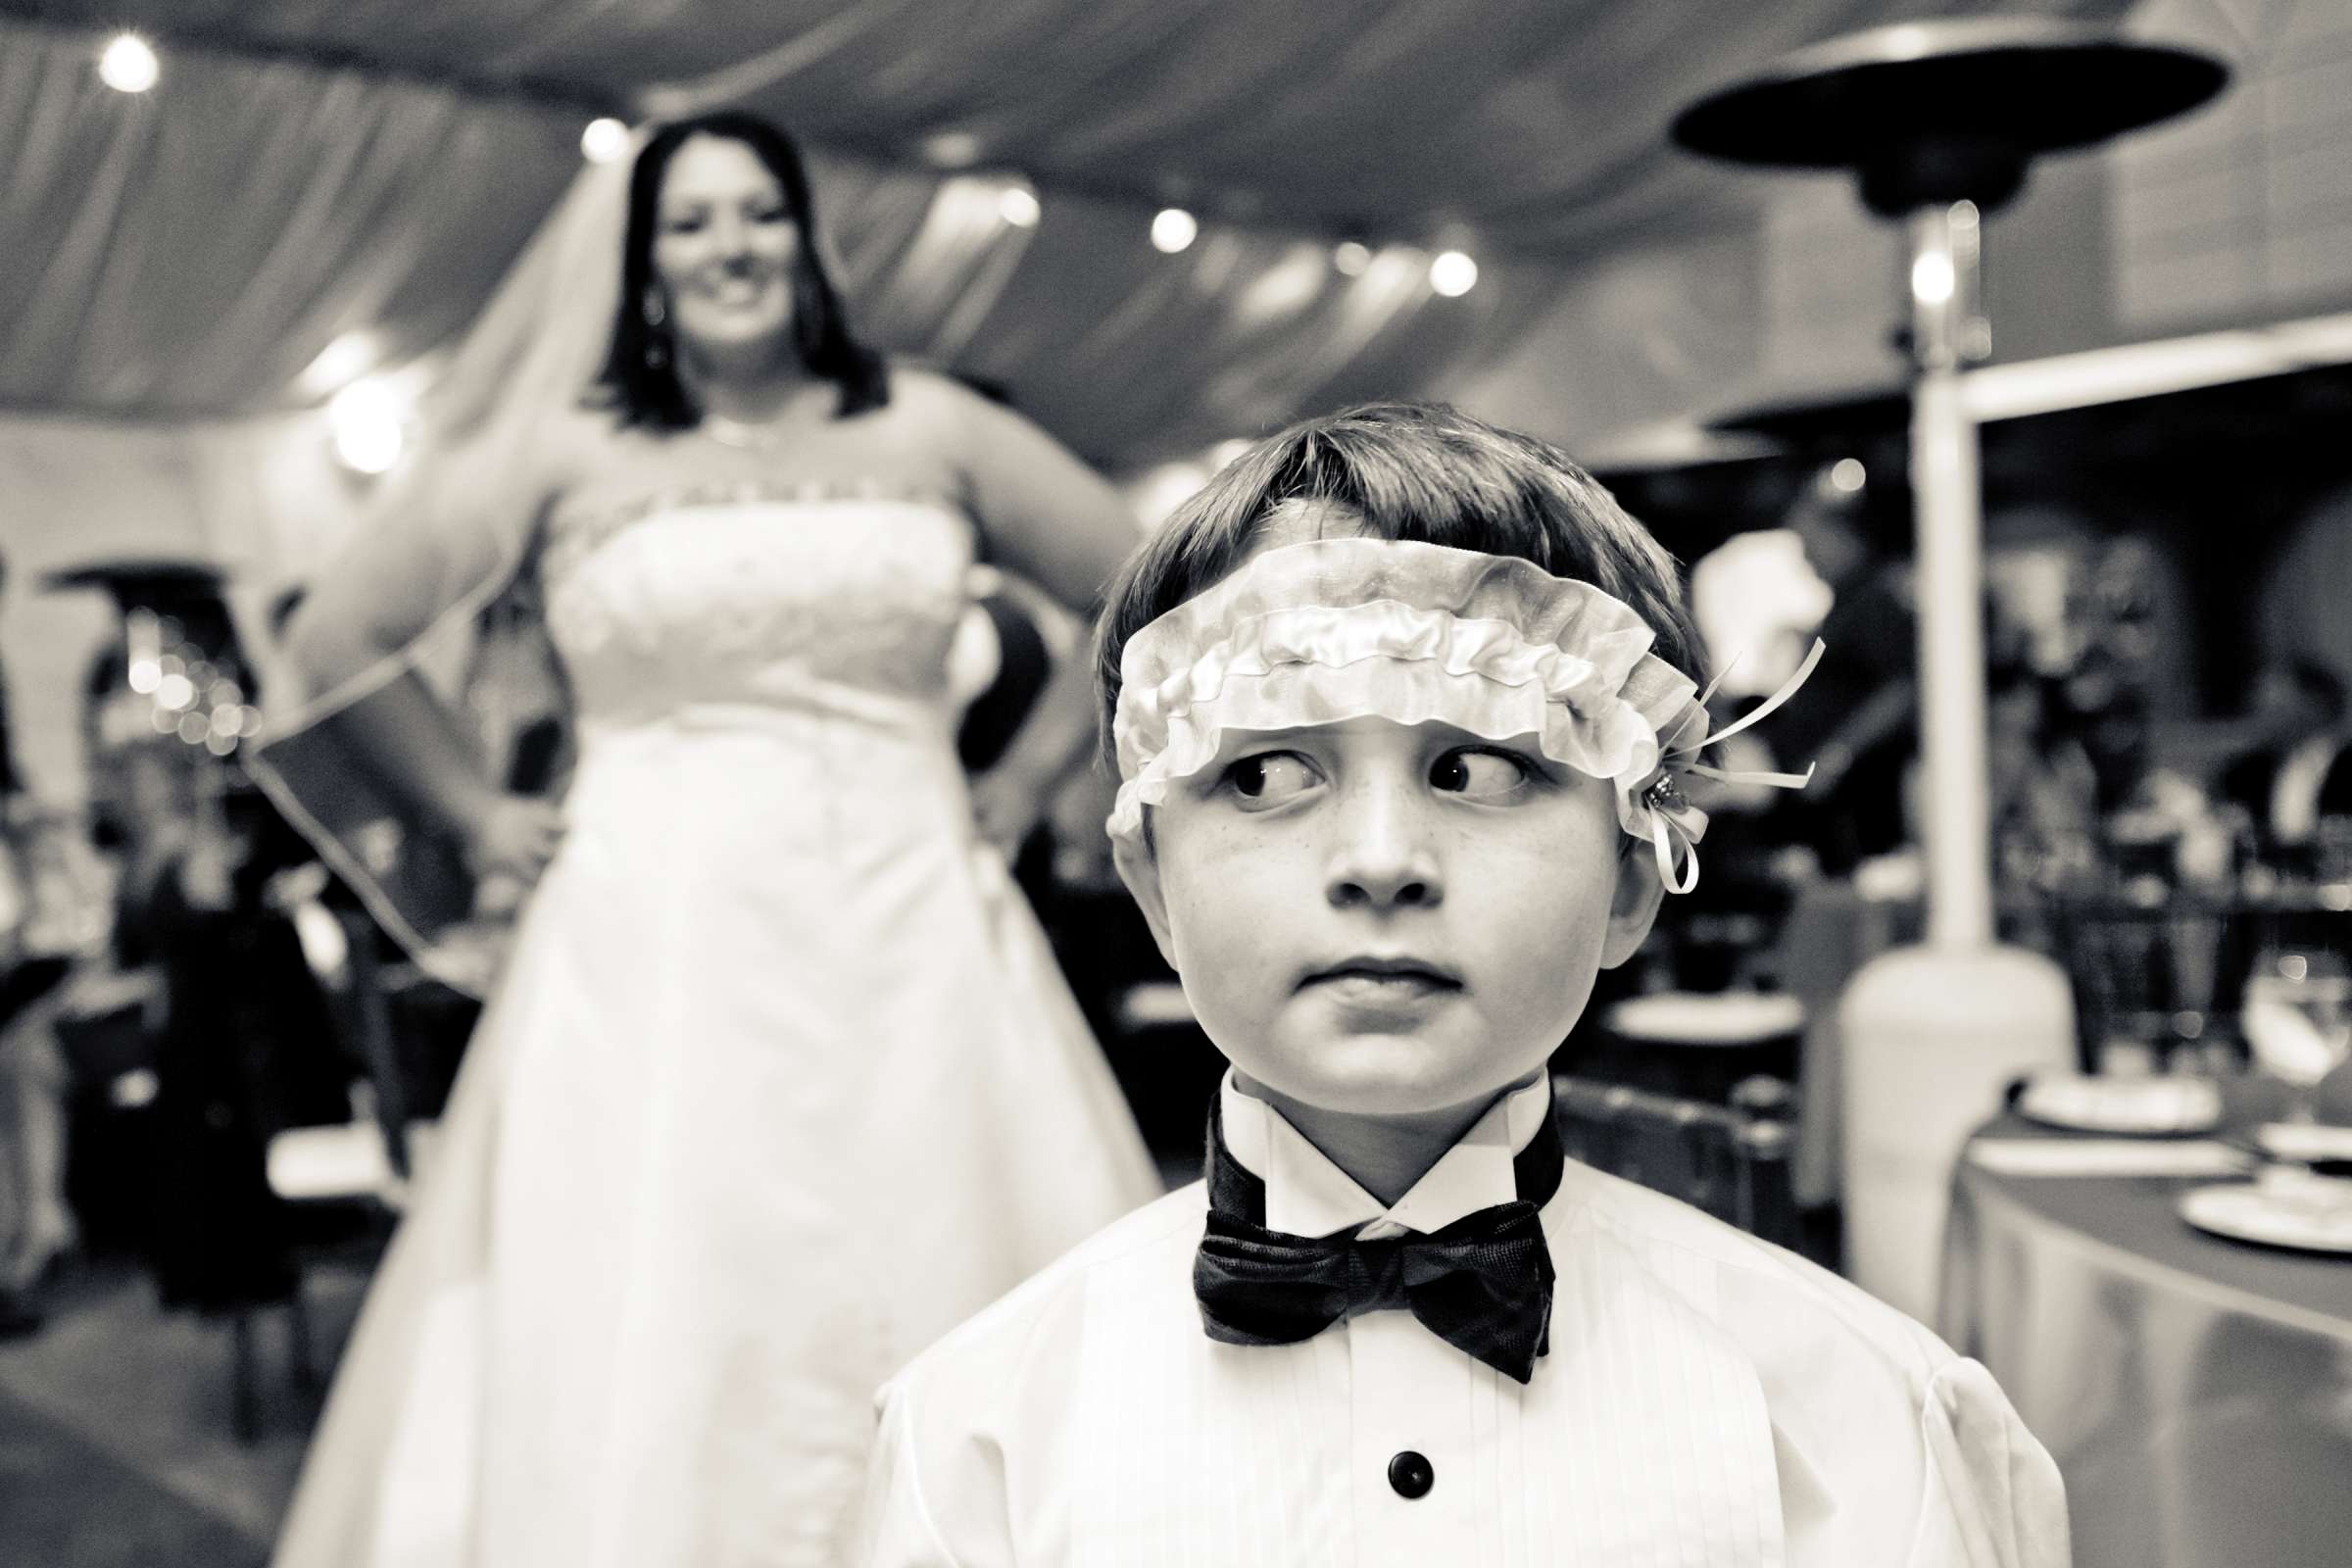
12 782
243 1046
2299 769
2043 790
1858 724
36 1225
1017 637
238 1038
1011 663
779 1081
68 1019
37 1230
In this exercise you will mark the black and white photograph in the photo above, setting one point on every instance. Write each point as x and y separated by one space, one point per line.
1068 783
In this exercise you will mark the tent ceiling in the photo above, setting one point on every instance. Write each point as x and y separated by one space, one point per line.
315 168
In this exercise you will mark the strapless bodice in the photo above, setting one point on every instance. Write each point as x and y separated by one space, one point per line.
759 600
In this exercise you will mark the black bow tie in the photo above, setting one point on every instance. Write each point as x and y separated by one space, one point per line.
1483 1284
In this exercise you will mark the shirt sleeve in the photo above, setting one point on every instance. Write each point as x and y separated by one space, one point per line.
971 1448
906 1525
1993 1497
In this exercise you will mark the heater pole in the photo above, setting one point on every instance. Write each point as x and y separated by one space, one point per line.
1956 825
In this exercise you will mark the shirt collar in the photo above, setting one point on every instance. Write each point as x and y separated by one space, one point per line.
1306 1195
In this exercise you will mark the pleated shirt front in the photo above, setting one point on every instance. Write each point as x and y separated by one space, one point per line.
1707 1400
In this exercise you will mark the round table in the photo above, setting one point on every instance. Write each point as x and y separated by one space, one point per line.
1693 1044
2195 1392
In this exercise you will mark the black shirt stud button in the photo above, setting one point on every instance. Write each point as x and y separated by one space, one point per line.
1411 1475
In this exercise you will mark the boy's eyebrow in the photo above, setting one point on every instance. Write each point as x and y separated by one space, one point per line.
1257 737
1249 736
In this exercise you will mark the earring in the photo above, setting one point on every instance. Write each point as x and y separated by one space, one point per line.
656 349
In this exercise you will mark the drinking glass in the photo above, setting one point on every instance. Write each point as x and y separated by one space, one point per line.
2299 1021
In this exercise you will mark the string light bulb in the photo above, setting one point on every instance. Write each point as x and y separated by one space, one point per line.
1352 258
1173 230
128 64
1932 277
952 149
1018 206
369 429
1452 274
603 139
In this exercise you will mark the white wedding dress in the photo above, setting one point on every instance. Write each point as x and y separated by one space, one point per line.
780 1082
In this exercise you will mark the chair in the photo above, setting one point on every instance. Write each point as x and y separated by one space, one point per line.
1731 1160
1694 1044
345 1184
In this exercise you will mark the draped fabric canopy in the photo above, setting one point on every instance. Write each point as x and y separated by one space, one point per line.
321 188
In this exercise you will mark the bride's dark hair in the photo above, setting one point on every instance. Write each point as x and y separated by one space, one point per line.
641 373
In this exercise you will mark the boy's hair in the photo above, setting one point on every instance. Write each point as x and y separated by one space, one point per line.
1417 471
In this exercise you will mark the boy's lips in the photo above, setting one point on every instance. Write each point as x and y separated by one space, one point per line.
1377 972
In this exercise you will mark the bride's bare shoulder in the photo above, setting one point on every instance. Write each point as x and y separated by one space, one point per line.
930 399
574 442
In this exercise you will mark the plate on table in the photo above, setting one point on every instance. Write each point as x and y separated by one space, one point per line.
2154 1107
2284 1208
2304 1141
1704 1019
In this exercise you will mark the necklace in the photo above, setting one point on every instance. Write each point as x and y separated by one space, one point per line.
734 433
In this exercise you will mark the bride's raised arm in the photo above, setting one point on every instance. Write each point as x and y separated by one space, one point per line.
1045 513
380 610
373 765
371 740
1053 521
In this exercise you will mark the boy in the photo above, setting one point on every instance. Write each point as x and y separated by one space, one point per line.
1398 701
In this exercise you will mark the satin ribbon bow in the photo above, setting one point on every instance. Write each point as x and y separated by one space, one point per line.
1661 812
1483 1284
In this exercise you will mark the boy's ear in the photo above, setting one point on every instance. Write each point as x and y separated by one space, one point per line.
1139 869
1633 908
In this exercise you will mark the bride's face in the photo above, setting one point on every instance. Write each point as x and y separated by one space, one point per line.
724 246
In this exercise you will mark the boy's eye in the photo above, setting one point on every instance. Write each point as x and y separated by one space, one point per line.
1270 777
1480 774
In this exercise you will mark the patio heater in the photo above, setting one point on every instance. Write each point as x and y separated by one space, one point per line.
1939 121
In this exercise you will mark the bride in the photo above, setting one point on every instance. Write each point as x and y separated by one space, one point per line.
778 1082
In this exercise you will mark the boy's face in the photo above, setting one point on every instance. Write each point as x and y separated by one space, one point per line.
1387 920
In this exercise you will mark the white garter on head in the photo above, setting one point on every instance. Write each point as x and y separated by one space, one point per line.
1335 629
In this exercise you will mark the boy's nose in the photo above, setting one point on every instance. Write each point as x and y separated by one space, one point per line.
1382 855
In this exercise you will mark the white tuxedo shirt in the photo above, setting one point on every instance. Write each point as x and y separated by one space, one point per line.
1707 1400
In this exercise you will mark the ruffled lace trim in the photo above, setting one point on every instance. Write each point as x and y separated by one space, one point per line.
1317 663
1336 629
